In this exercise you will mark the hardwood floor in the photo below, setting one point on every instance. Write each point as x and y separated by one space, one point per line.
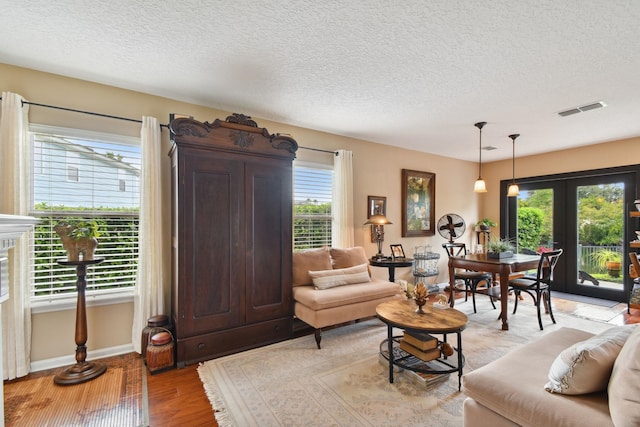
176 397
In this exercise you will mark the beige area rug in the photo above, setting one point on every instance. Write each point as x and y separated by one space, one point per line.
344 384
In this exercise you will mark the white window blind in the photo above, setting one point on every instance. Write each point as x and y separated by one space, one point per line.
106 190
312 194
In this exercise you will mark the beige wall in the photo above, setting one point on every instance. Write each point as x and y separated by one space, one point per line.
377 171
610 154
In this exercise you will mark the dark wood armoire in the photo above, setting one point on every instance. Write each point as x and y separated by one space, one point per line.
231 236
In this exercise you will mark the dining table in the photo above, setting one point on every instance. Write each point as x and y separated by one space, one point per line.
502 267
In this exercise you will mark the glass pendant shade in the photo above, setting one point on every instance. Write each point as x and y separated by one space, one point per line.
513 189
480 186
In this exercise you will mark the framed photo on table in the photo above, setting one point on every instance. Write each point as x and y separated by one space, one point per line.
397 251
418 203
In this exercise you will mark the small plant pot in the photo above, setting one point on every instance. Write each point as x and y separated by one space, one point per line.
499 255
613 268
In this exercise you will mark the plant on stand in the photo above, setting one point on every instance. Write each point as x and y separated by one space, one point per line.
485 224
79 239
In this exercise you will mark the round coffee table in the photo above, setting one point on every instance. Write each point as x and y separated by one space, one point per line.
402 314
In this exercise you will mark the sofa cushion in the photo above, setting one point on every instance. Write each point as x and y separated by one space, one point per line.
512 386
585 367
325 279
343 258
624 385
317 299
312 259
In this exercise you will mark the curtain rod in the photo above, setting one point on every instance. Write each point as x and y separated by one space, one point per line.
108 116
318 149
91 113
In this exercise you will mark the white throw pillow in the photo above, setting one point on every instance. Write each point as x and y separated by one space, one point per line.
624 385
325 279
585 367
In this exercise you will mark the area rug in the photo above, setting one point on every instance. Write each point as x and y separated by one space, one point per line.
292 383
116 398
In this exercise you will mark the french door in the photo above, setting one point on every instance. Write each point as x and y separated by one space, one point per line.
583 213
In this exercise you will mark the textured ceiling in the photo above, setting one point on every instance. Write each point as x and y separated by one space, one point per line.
411 73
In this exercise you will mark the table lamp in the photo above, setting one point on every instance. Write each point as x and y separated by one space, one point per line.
377 223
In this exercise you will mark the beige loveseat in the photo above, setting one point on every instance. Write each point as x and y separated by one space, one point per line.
334 286
512 390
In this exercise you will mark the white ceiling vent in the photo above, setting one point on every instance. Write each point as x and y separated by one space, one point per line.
582 109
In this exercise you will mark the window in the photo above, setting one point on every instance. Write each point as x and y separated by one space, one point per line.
312 193
105 190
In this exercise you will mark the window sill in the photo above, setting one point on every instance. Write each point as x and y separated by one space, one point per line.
46 306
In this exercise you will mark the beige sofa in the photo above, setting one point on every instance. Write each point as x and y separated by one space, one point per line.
510 391
334 286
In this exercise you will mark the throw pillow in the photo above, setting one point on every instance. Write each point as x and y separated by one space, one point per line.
343 258
312 259
585 367
326 279
624 385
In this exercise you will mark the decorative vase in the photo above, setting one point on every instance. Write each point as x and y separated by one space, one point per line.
420 294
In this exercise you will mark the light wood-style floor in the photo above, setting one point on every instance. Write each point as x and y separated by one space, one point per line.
177 398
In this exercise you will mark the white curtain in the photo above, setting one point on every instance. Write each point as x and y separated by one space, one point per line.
15 157
342 233
148 299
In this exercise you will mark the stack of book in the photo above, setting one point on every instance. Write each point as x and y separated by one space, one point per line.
421 345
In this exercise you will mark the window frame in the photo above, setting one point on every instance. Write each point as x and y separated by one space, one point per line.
94 297
327 217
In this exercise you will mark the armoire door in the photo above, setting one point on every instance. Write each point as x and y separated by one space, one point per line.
268 202
212 243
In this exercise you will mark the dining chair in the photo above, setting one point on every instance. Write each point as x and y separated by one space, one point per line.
471 279
538 286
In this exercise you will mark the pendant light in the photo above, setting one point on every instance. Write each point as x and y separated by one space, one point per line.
480 186
513 190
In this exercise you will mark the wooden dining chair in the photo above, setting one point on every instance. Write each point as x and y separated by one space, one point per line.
471 279
538 286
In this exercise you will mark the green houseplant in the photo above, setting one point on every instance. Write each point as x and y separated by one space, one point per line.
499 248
485 224
79 239
610 260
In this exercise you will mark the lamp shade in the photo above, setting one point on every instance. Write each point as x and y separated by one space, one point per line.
378 220
513 190
480 186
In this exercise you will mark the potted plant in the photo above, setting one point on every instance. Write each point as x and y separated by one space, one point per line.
608 259
499 248
79 239
485 224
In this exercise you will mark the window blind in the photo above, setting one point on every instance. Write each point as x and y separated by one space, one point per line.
313 188
91 177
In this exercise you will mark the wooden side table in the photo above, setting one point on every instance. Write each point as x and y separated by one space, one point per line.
391 264
82 371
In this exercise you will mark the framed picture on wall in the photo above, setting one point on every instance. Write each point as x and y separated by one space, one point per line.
376 205
418 203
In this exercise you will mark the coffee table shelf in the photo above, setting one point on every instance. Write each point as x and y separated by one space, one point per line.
402 359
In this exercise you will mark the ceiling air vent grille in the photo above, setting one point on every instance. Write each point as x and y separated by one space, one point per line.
582 109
